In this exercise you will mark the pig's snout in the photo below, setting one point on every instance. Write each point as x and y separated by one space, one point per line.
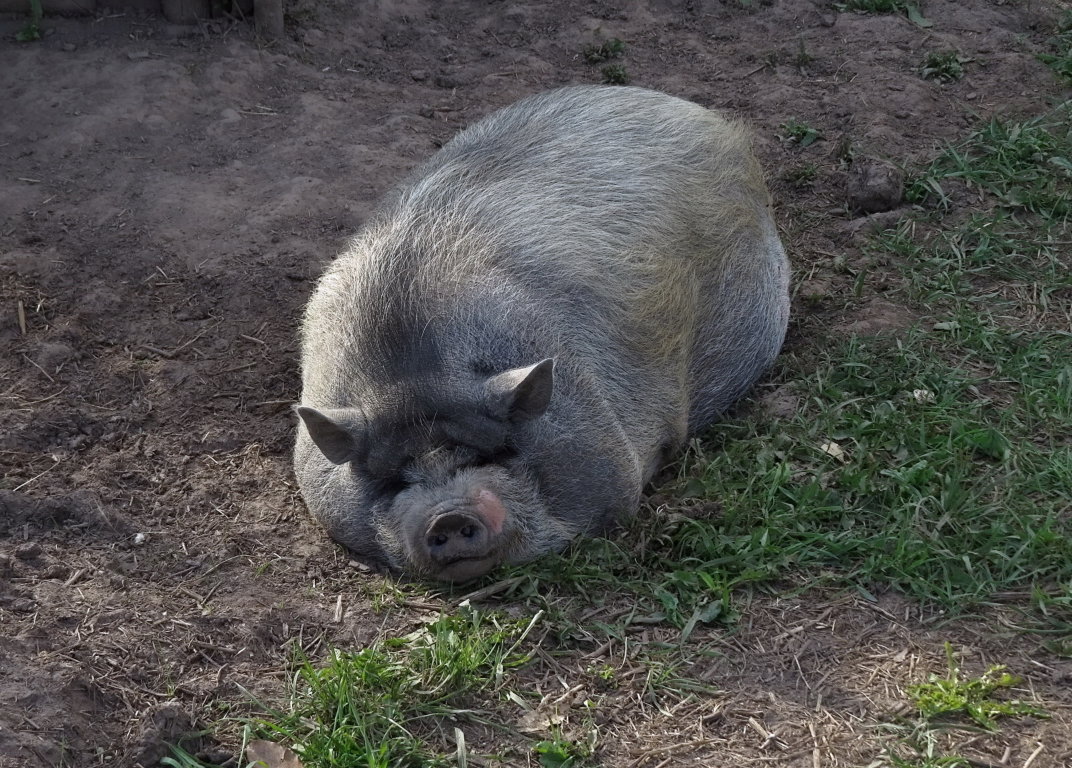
455 536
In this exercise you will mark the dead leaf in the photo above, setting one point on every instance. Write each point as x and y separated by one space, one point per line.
539 722
923 395
833 449
271 755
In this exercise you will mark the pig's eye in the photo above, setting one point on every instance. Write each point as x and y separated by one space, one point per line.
387 481
500 455
392 486
473 456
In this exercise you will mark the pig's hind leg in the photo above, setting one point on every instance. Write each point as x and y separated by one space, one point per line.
743 315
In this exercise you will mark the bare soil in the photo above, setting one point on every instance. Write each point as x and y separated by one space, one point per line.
168 195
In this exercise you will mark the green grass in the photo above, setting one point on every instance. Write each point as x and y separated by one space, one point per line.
909 9
1059 59
953 702
605 51
1024 165
796 132
615 74
943 66
31 30
949 500
385 705
953 696
180 758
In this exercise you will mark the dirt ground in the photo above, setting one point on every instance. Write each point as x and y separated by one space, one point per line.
168 195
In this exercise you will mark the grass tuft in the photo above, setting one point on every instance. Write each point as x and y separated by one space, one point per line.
615 74
605 51
943 66
31 30
383 706
802 176
799 133
559 752
1024 165
942 704
1060 59
909 9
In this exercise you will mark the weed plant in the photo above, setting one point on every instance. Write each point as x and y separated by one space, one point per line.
31 30
909 9
955 696
796 132
943 66
802 176
1060 59
615 74
953 702
605 51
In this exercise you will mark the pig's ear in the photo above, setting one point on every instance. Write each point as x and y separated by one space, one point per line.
521 393
336 431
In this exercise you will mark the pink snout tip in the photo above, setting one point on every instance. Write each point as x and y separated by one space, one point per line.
491 510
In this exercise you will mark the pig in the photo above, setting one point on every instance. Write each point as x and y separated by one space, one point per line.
530 326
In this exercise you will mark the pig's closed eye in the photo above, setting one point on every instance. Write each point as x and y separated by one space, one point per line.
387 483
472 456
499 455
391 485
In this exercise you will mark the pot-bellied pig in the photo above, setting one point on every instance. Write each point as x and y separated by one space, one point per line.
530 324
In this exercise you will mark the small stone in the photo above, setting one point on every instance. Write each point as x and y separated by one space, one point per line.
782 403
135 55
68 47
872 223
165 724
923 395
55 571
874 185
52 355
419 75
447 81
815 289
28 551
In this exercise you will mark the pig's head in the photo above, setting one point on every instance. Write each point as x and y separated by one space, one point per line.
438 483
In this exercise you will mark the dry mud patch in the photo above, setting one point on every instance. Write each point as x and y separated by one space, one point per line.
167 197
